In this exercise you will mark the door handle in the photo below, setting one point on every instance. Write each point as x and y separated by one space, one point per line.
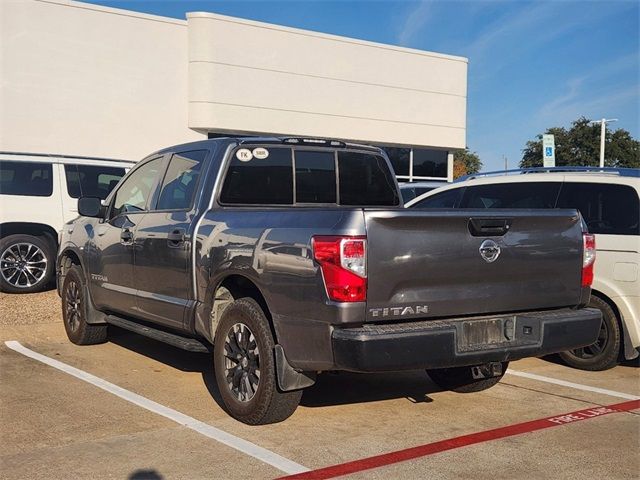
126 236
175 237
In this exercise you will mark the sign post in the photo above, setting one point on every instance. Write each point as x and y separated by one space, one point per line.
548 151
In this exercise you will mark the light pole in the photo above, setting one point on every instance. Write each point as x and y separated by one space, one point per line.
603 134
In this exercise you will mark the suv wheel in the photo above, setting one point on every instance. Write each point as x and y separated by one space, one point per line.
26 263
603 354
461 379
243 356
74 311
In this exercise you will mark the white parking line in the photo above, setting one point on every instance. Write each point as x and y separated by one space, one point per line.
262 454
577 386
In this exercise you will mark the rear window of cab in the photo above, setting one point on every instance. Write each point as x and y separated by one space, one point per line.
306 176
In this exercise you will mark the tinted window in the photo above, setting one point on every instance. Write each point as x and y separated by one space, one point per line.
365 179
260 181
511 195
181 179
91 181
408 193
26 178
429 163
606 208
315 177
399 158
133 194
445 199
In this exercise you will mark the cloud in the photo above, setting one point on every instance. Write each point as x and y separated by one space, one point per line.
414 22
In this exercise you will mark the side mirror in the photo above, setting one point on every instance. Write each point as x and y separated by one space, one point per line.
90 207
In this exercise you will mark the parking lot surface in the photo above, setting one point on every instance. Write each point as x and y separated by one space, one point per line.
135 408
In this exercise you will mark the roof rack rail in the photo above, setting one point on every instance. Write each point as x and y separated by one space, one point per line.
623 172
60 155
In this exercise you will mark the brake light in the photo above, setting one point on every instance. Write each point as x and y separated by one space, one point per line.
343 262
588 258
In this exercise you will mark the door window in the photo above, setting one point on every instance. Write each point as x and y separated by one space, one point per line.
91 180
26 178
134 193
511 195
606 208
447 199
181 179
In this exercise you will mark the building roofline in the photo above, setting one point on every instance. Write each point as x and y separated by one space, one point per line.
116 11
326 36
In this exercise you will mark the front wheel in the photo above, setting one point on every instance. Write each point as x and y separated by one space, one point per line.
468 379
243 355
74 311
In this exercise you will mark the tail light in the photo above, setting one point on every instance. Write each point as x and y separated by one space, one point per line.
343 262
588 258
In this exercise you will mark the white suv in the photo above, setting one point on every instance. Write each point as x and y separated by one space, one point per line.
38 195
608 200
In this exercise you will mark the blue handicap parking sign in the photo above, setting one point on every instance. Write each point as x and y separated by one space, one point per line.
548 151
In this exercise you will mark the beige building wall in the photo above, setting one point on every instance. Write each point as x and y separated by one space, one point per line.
86 80
255 77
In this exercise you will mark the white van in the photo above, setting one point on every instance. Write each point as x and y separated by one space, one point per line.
608 199
38 195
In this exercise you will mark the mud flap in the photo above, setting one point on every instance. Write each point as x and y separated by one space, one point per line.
288 378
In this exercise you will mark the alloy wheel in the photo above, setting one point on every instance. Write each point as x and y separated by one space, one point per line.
242 362
73 304
596 348
23 265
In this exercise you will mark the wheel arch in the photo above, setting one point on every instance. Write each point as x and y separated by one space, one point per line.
627 350
29 228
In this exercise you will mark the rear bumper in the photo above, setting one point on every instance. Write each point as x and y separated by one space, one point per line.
459 342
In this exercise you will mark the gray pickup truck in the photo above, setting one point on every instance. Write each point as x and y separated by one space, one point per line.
286 257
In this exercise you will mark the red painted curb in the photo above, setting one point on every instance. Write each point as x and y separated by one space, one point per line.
462 441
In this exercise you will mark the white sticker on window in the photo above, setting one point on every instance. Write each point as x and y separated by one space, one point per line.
260 153
244 155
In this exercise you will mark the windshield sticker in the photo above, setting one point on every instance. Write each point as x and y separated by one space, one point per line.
260 153
244 155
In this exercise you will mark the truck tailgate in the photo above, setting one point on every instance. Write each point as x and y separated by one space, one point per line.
424 264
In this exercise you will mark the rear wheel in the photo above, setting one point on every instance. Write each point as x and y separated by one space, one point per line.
605 352
26 263
74 311
467 379
245 370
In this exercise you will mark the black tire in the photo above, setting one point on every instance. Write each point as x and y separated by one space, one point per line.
460 379
74 311
605 353
27 263
244 333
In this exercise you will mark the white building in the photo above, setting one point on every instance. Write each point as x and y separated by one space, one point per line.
82 79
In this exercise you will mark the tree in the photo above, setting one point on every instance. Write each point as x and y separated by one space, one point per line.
580 146
465 162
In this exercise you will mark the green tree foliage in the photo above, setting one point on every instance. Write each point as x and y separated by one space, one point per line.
580 146
465 162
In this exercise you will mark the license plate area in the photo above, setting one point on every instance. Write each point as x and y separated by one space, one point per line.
489 333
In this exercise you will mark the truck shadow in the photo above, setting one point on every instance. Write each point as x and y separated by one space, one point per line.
339 388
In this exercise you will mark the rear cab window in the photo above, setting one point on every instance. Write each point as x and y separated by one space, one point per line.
306 176
26 178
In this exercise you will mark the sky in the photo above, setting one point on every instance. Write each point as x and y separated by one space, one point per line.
532 65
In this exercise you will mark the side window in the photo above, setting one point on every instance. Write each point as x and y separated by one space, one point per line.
447 199
365 179
91 180
315 176
133 194
181 179
259 181
606 208
26 178
511 195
